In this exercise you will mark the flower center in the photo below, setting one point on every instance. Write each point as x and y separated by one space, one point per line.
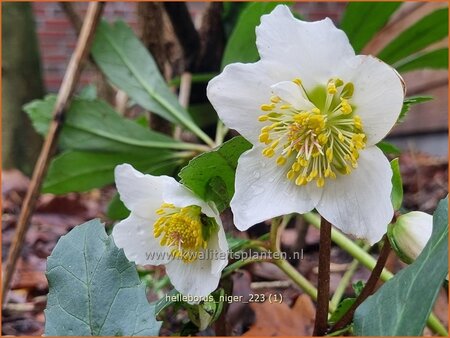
318 141
185 230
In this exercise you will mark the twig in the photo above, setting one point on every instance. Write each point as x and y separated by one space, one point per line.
65 93
368 288
278 284
321 322
183 98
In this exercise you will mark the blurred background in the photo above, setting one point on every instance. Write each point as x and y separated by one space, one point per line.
38 39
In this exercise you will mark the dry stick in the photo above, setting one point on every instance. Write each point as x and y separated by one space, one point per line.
67 87
323 287
368 288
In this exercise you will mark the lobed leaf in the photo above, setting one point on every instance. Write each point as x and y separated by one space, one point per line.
211 175
94 290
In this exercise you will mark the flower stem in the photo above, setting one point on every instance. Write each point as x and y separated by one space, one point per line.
296 277
369 288
348 245
369 262
239 264
345 280
321 322
221 131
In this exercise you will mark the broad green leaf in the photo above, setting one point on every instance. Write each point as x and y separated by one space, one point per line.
431 28
410 101
241 46
129 66
116 210
388 148
436 59
211 175
341 310
362 20
402 305
397 185
77 171
94 125
94 290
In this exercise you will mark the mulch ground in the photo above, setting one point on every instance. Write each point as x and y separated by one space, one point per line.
425 181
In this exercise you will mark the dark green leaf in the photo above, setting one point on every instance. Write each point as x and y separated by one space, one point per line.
76 171
410 101
397 185
94 290
358 287
241 46
436 59
402 305
362 20
388 148
341 310
130 67
116 210
431 28
211 175
95 126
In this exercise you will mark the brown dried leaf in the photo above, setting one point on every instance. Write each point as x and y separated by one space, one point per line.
280 320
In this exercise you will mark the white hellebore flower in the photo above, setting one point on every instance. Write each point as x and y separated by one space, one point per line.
410 234
323 111
169 225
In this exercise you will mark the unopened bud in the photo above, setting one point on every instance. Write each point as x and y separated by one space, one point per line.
410 234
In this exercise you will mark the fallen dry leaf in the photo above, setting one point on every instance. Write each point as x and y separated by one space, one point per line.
280 320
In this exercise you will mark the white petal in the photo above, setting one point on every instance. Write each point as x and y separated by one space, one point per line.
181 197
237 95
219 245
311 50
360 203
288 91
194 278
135 236
263 191
378 94
140 193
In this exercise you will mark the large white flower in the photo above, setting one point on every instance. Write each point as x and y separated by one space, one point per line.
169 225
313 111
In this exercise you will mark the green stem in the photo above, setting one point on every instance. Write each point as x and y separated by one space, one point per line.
297 278
348 245
239 264
369 262
345 280
221 131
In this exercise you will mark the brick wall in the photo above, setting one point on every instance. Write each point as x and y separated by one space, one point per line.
57 37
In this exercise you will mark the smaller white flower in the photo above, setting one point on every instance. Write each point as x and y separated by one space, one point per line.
169 225
410 234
